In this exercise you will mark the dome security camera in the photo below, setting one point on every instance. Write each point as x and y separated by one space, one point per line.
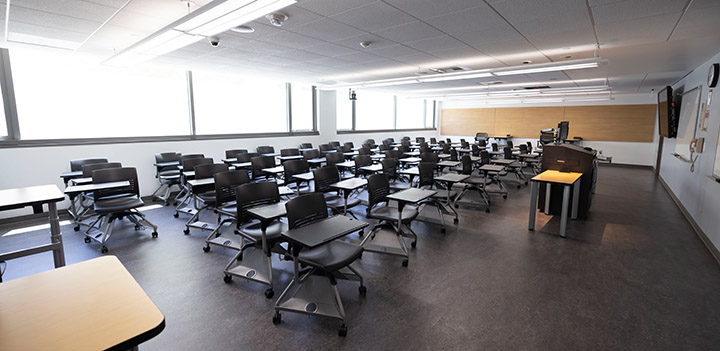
214 41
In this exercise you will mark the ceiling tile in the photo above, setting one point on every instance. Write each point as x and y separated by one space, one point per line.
78 9
468 20
698 22
658 80
417 59
376 41
360 57
373 17
291 39
301 55
501 32
331 62
394 51
436 44
51 20
639 30
297 16
330 49
409 32
329 8
327 29
632 9
463 51
424 9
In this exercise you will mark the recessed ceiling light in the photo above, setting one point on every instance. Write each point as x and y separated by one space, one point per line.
568 57
243 29
526 62
365 44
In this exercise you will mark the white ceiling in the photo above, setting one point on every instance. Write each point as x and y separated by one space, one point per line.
648 43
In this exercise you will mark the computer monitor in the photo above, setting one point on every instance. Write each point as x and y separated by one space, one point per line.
562 134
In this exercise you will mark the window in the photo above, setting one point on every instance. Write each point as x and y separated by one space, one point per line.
344 110
61 96
410 113
374 111
302 107
227 104
430 113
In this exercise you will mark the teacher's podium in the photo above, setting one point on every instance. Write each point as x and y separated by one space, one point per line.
569 158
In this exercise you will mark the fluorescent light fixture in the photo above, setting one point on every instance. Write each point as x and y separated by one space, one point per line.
215 17
538 101
590 99
505 71
454 76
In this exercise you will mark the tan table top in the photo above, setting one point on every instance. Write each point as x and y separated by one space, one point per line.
557 177
91 305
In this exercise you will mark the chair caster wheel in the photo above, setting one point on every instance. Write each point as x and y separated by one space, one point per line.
176 215
342 331
277 318
361 233
269 293
526 183
187 231
76 228
487 210
363 290
519 186
456 221
206 248
87 239
175 203
137 227
405 263
227 278
457 206
104 249
154 234
414 244
442 230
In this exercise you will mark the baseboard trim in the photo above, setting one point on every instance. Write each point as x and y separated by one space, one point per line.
700 233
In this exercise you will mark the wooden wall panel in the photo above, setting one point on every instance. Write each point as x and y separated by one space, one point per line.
467 121
633 123
526 122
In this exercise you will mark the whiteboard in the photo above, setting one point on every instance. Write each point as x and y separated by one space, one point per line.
688 120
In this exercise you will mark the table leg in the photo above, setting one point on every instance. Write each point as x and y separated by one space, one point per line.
563 216
533 205
346 194
548 190
56 235
576 200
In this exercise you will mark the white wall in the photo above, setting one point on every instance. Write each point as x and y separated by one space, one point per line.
42 165
699 194
621 152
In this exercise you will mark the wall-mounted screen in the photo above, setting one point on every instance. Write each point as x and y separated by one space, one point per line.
688 122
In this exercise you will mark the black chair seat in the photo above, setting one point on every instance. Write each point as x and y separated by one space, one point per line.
331 256
391 213
400 186
443 194
117 204
169 173
207 197
272 233
339 203
474 180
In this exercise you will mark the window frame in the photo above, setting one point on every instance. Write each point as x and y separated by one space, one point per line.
354 129
14 139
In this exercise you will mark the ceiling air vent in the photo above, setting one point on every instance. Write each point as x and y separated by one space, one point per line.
537 87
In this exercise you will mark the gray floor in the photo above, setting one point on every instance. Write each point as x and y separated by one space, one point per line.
632 276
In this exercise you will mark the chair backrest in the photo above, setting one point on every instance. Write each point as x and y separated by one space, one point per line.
419 139
378 189
464 144
453 155
426 170
349 144
242 158
404 148
294 167
433 141
484 157
405 142
441 143
510 144
475 150
334 143
325 147
325 176
482 142
189 164
405 138
364 151
167 157
507 152
429 157
108 175
462 140
306 146
494 146
392 140
232 153
255 194
449 141
265 149
290 152
306 209
467 165
190 157
208 170
76 165
387 142
360 161
367 145
396 154
334 158
446 148
425 148
370 141
89 168
311 154
383 147
529 145
523 148
259 163
344 148
227 182
389 166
